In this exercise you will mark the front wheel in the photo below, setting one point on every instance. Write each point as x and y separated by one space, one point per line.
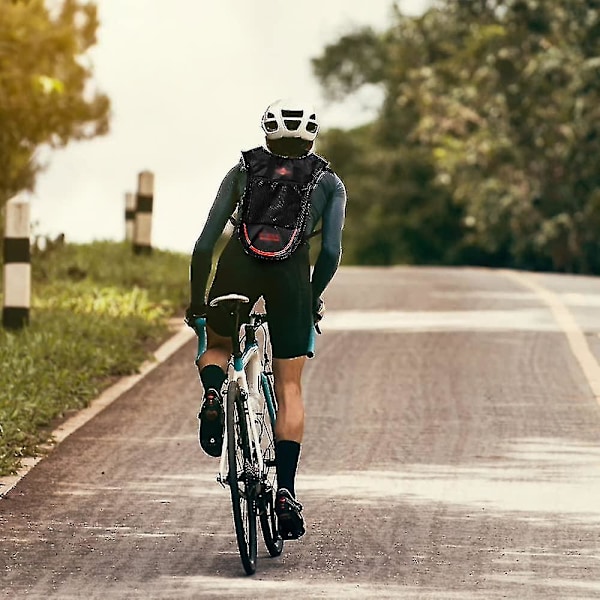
242 481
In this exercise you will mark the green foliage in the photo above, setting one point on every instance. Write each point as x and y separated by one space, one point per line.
97 311
109 266
497 102
396 212
45 85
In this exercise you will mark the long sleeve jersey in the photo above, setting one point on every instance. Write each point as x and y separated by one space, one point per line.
327 210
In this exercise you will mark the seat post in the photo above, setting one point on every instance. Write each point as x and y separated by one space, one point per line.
235 335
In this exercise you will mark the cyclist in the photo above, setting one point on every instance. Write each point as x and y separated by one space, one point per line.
285 168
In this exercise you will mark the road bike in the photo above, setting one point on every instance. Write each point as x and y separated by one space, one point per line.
247 462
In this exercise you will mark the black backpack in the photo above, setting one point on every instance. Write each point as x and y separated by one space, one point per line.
276 202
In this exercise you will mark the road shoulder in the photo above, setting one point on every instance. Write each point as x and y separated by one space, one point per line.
182 334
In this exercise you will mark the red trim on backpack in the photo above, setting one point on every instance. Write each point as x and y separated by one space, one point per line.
268 254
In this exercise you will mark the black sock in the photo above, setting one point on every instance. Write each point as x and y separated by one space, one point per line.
287 454
212 376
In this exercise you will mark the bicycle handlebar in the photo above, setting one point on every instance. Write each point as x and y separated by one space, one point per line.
200 329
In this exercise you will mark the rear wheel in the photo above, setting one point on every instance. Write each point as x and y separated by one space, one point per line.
243 480
268 520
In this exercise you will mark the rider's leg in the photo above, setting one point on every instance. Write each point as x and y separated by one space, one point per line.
235 274
289 427
212 365
287 374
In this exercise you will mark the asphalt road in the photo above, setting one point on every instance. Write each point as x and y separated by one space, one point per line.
452 451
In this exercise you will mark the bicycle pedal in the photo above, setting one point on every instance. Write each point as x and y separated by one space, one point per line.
270 462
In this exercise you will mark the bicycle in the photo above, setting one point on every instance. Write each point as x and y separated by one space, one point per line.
247 463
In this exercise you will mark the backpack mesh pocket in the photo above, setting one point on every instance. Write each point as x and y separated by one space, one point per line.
275 204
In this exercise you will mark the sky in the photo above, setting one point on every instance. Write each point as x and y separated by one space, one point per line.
188 83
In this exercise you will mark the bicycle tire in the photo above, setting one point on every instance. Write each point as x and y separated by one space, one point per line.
268 519
241 481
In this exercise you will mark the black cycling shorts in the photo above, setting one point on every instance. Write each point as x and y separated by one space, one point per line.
285 287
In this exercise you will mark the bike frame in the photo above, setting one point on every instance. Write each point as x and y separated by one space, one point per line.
245 368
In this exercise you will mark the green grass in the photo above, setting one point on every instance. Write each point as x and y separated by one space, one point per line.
97 312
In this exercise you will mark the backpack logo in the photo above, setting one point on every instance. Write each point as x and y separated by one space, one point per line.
264 236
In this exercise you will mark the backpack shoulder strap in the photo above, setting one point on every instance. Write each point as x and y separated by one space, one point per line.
324 168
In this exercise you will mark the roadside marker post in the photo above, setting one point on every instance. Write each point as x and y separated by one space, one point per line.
129 216
142 234
17 264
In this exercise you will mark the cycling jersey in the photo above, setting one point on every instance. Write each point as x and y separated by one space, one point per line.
327 210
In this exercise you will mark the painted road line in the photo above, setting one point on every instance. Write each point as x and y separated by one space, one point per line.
566 322
523 319
181 337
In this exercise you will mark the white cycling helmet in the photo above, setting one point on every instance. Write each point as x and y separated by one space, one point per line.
290 119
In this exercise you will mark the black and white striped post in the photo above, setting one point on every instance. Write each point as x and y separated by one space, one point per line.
17 264
142 231
129 216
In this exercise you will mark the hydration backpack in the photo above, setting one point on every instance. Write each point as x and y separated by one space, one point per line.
276 202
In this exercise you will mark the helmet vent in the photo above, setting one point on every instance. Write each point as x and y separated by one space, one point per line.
292 113
292 124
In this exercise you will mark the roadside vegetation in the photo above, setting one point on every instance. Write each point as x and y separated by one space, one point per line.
97 313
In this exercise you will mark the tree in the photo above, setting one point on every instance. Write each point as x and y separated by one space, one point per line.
501 98
397 210
513 120
46 92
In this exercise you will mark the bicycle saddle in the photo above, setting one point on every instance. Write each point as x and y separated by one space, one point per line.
231 300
